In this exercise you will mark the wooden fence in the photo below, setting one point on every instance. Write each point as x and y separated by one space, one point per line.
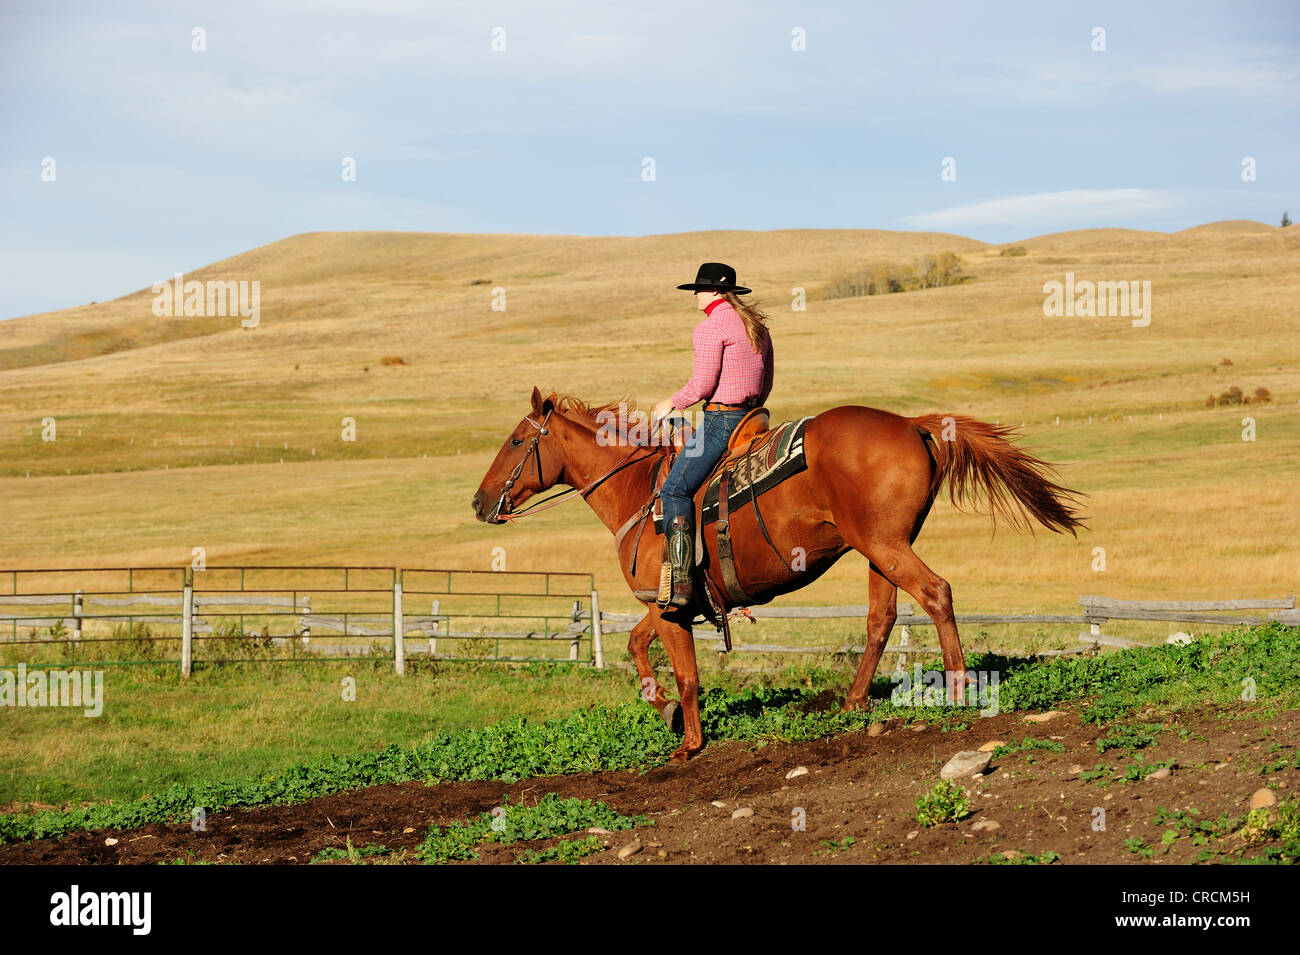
582 621
214 604
1096 612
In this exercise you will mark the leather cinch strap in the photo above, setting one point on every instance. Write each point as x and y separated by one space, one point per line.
726 563
753 499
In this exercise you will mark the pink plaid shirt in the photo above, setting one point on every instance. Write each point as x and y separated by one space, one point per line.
727 369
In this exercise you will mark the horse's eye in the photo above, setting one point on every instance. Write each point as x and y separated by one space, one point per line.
515 442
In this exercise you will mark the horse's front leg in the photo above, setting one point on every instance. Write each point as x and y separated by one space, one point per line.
680 644
652 691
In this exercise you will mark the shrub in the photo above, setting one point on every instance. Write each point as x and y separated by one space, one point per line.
1013 250
882 278
138 642
946 802
392 360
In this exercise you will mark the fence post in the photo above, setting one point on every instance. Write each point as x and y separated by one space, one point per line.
597 636
433 638
573 644
78 606
304 623
399 629
187 629
904 641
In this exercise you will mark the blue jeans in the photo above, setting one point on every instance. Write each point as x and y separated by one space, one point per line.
694 462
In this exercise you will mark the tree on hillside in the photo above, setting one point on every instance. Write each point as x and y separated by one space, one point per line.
1286 220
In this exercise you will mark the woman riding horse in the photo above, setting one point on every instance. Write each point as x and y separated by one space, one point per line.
732 374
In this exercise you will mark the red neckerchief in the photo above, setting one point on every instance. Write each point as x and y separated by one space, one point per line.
708 309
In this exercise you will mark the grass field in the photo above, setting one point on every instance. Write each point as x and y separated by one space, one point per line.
170 432
237 721
177 433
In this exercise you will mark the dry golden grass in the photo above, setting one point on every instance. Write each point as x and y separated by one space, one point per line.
1184 508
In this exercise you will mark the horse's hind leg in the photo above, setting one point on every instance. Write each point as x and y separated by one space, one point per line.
897 561
934 595
880 621
652 691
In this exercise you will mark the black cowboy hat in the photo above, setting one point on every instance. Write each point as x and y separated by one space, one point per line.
715 276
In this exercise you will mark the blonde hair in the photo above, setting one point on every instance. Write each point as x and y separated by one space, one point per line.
755 320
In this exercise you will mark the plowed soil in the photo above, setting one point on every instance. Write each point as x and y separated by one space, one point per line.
858 785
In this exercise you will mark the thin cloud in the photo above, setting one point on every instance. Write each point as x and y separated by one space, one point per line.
1073 204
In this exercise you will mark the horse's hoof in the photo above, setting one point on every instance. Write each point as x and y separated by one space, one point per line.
681 755
672 715
851 706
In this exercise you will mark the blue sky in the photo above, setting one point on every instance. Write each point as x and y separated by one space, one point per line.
167 159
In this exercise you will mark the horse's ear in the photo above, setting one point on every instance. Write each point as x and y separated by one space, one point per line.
543 406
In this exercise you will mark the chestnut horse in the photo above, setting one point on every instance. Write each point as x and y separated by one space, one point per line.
870 480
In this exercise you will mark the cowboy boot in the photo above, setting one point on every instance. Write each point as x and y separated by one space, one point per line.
675 572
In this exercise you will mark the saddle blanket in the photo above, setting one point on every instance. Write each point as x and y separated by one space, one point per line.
777 455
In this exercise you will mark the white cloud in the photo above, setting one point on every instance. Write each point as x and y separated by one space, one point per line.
1076 205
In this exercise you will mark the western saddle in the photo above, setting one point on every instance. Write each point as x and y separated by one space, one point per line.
747 437
756 423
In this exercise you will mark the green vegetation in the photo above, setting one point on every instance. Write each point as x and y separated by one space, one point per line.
1023 858
552 816
1139 769
1292 762
1098 775
1026 745
1129 738
568 851
1138 847
945 802
1168 675
1230 838
353 854
631 735
1280 824
252 721
832 846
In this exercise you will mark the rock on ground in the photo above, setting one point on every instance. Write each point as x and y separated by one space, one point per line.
966 763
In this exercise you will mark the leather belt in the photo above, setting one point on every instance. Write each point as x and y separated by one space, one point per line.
721 406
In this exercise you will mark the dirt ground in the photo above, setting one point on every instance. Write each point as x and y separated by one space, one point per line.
857 785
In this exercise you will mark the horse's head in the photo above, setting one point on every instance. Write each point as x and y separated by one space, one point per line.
530 461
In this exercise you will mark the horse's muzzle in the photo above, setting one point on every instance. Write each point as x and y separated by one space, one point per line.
493 514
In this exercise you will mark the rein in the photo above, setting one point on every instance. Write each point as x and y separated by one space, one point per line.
510 514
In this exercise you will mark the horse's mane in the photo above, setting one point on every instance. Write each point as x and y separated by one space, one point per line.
572 403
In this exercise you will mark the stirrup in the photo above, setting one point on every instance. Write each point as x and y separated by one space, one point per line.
665 595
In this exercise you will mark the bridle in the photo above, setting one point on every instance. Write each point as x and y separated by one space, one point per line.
504 508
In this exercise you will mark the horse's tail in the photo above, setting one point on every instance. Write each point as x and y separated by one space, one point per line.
975 456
